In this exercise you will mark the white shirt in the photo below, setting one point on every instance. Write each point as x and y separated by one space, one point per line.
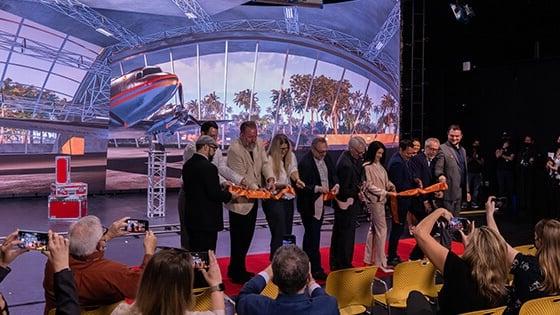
226 173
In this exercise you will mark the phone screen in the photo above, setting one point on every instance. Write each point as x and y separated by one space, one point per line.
289 240
137 226
33 240
200 259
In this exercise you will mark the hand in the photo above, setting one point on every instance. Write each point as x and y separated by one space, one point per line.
213 276
58 251
442 179
438 194
469 198
268 270
392 194
418 182
150 242
464 237
9 249
321 190
499 153
446 214
428 206
117 228
226 184
234 195
335 189
270 184
300 184
490 205
2 302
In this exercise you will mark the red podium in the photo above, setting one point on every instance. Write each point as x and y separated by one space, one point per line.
67 200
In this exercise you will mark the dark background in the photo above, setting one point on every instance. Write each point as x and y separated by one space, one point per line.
514 85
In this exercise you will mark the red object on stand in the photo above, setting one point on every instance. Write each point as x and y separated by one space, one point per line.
67 200
67 208
62 169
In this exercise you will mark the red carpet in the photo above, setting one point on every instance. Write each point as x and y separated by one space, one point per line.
258 262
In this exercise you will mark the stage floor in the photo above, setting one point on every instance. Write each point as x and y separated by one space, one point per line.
23 286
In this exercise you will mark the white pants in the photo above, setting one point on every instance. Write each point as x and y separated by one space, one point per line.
377 236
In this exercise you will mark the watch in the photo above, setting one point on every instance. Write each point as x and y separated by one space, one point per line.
220 287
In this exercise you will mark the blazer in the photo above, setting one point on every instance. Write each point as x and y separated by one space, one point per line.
250 301
250 169
350 175
422 170
219 160
309 174
65 293
447 165
203 195
400 174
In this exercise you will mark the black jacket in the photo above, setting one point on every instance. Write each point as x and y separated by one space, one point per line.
309 174
203 195
65 293
350 173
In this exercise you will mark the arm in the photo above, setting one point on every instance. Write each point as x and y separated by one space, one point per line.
439 168
346 189
8 252
490 209
212 186
225 172
214 278
235 162
432 248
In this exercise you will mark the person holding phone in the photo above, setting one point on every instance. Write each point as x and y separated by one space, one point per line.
166 286
9 251
280 213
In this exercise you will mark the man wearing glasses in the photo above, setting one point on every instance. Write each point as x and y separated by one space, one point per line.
316 170
349 171
203 198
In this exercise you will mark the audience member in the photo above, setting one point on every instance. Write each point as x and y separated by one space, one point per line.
533 276
505 173
99 281
377 187
247 158
349 171
474 281
299 293
166 286
401 175
8 252
475 165
280 213
526 170
452 168
553 185
317 171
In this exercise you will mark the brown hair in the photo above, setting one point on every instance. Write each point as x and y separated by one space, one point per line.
247 124
276 154
547 241
166 284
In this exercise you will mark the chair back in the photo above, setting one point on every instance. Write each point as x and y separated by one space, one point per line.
417 275
351 286
101 310
529 249
202 300
543 306
494 311
271 290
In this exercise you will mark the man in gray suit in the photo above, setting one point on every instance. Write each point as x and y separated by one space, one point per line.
451 167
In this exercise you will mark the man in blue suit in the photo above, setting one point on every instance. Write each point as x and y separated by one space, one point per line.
299 293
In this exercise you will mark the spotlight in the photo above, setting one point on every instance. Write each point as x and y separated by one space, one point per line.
462 12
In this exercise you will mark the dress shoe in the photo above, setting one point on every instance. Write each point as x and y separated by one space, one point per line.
319 275
393 261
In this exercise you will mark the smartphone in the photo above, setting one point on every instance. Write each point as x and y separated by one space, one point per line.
289 240
200 258
550 155
459 224
33 240
137 226
499 202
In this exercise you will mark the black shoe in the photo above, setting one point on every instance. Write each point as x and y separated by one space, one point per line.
393 261
319 275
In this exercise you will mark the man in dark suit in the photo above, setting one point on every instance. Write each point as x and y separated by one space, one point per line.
349 171
400 173
203 197
452 169
290 272
317 171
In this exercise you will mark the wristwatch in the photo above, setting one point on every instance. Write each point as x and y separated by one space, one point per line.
220 287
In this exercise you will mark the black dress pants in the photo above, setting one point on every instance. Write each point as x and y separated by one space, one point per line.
312 240
343 237
280 217
241 228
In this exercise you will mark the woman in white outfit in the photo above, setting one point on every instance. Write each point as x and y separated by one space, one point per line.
376 188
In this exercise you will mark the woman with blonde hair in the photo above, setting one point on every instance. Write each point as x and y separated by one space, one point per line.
376 188
280 213
475 281
166 286
533 276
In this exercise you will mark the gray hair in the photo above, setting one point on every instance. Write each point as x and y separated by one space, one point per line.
430 140
356 142
84 236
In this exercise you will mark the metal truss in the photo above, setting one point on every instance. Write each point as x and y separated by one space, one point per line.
388 30
84 14
157 164
43 109
291 18
194 12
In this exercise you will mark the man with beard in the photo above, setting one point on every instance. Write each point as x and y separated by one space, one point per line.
203 216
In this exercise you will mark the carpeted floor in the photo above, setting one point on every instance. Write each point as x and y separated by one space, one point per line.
258 262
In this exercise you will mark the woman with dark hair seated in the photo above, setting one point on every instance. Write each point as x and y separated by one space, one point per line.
166 286
475 281
534 276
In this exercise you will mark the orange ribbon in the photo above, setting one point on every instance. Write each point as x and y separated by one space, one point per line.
262 194
329 196
413 193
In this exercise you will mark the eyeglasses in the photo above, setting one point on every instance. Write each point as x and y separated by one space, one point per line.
319 151
214 147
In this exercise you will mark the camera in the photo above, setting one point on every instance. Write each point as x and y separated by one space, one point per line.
137 226
499 202
200 259
289 240
33 240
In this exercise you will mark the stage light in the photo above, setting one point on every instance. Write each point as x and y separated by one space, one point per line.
104 32
462 12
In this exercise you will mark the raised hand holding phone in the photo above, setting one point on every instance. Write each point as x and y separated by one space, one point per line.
9 249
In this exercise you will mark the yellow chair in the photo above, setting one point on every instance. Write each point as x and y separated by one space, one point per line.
543 306
202 300
527 249
271 290
102 310
352 288
493 311
417 275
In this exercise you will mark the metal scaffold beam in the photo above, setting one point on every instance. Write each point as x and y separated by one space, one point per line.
157 164
389 28
194 12
291 18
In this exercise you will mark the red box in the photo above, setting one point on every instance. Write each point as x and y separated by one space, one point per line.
70 189
67 208
62 169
